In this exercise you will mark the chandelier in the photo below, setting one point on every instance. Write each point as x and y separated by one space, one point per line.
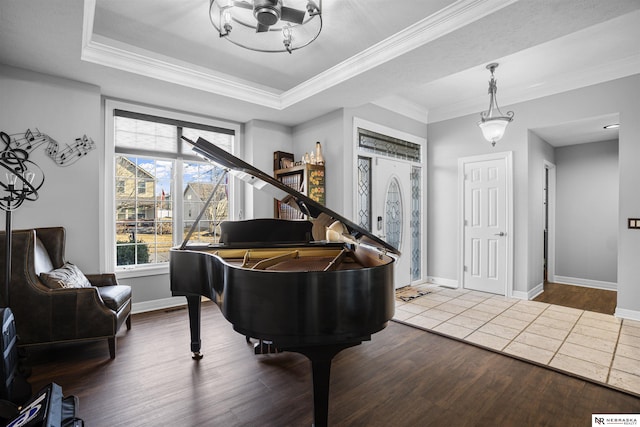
492 122
267 25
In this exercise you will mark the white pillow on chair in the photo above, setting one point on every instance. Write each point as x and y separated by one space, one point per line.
67 276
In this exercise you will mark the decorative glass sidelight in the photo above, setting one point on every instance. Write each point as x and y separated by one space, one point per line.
364 192
393 214
415 226
387 146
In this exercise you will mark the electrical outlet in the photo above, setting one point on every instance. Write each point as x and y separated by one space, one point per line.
634 223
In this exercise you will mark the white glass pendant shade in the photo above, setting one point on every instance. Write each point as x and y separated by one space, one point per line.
493 130
492 122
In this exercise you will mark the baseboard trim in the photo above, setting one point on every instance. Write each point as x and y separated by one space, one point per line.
157 304
520 295
530 294
588 283
623 313
449 283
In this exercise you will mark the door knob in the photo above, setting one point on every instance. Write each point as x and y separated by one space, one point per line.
502 233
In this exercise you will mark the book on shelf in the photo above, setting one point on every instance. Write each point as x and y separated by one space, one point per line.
307 179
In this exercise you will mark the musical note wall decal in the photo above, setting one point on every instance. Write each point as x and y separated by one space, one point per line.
22 144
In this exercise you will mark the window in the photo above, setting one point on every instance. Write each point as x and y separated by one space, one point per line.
377 143
143 217
159 186
143 187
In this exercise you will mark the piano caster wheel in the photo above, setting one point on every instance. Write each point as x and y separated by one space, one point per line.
196 355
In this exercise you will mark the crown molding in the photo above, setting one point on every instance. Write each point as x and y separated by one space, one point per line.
107 52
111 53
447 20
604 72
403 106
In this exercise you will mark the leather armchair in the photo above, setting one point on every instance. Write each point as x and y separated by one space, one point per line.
44 315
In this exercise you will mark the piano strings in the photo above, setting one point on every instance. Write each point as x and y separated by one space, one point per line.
335 263
270 262
312 258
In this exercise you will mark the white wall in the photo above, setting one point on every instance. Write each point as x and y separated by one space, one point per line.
587 212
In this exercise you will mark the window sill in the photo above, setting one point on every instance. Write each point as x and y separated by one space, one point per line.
152 270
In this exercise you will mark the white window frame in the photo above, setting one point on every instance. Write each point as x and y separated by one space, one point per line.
107 215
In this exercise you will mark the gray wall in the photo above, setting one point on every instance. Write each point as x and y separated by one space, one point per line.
64 110
539 152
587 212
261 139
628 101
448 141
327 130
382 117
458 137
335 133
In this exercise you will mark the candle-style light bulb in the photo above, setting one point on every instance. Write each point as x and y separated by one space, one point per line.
287 37
226 20
12 178
29 176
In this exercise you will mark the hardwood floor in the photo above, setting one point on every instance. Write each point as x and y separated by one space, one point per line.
598 300
403 377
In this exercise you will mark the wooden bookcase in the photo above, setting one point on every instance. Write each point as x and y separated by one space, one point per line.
307 179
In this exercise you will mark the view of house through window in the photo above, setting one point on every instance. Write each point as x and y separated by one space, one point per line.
161 187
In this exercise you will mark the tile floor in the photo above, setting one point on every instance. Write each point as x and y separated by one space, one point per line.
591 345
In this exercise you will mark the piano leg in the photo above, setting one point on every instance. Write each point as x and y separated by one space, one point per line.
320 357
193 304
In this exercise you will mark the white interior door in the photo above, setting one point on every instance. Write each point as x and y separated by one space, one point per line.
391 211
485 226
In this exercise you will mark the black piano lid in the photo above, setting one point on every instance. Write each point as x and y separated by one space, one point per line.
265 182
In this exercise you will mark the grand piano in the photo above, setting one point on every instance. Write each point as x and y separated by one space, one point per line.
315 286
